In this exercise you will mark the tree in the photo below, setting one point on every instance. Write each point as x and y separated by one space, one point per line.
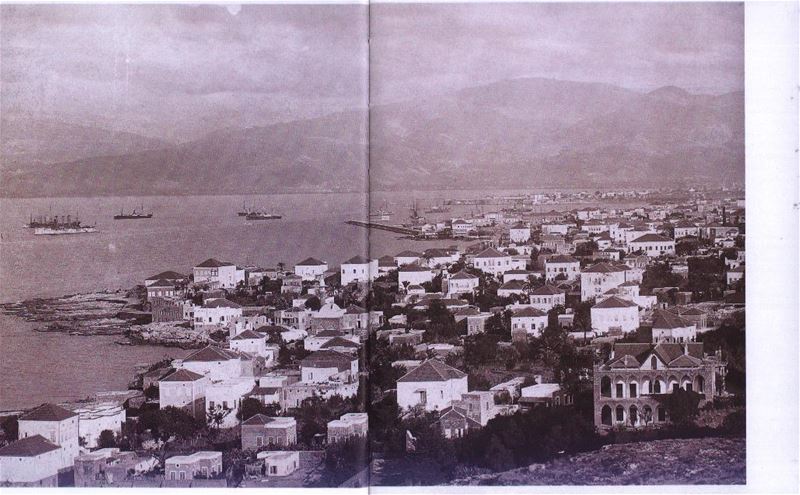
251 406
681 405
106 440
216 415
313 303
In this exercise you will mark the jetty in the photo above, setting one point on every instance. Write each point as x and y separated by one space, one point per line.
380 226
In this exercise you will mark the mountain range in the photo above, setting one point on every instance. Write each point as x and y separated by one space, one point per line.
523 132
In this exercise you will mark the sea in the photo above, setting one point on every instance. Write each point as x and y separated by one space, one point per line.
39 367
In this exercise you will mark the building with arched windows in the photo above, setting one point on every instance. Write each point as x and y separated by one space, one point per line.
628 385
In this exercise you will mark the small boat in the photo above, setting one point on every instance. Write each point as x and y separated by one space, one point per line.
134 215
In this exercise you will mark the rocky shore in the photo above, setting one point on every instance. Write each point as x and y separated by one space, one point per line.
95 313
168 335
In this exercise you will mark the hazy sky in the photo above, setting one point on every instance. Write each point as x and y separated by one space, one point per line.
180 71
177 72
418 48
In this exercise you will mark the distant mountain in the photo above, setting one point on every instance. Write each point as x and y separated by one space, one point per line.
541 132
27 142
522 132
313 154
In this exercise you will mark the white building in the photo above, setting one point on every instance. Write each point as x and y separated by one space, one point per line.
30 461
281 462
325 366
547 297
519 233
598 278
734 275
253 343
58 426
614 313
670 327
96 417
216 312
185 467
217 363
414 275
462 283
530 320
186 390
407 258
556 228
226 396
218 274
432 385
311 269
565 267
493 262
358 269
653 245
461 227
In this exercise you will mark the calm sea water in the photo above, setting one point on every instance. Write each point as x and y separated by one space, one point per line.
39 367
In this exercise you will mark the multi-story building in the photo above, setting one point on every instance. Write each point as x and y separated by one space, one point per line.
218 274
601 277
56 424
628 385
562 267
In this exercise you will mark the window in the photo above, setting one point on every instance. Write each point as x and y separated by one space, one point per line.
620 390
662 414
620 414
632 389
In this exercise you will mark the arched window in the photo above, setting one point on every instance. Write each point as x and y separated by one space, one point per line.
653 363
656 386
633 390
620 414
700 384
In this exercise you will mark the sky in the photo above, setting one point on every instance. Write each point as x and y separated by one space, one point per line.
434 48
177 72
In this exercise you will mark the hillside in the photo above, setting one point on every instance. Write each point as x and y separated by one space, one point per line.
536 132
322 153
704 461
558 133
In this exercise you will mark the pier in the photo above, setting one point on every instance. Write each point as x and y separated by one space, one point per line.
379 226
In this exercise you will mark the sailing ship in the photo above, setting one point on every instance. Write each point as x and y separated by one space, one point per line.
134 215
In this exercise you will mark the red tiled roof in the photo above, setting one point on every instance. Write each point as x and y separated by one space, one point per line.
528 313
614 302
47 412
432 370
490 253
220 303
547 290
561 258
652 238
28 447
248 334
167 275
211 353
213 263
666 319
311 262
605 267
462 275
182 375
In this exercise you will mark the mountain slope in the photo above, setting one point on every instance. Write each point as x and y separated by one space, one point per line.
516 133
557 133
315 154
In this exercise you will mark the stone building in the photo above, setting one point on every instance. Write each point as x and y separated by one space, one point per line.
628 385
